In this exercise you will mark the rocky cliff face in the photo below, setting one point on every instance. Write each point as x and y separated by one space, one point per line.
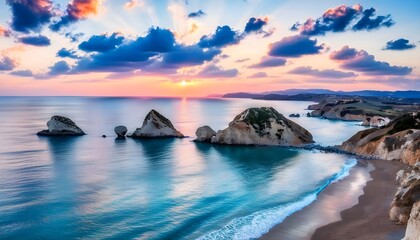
156 125
262 126
405 207
399 140
374 114
61 126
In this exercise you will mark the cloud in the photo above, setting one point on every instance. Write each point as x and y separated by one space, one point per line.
361 61
7 64
74 37
77 10
197 14
102 43
223 36
30 15
399 44
258 75
342 18
267 62
242 60
22 73
369 22
5 32
39 41
156 52
255 25
61 67
133 3
67 53
294 46
213 71
327 73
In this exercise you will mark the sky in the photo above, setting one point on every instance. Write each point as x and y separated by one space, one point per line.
192 48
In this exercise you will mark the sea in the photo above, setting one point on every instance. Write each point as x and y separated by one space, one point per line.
91 187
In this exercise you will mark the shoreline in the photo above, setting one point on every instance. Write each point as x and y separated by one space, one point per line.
353 208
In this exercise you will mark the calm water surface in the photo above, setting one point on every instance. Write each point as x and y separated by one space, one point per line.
100 188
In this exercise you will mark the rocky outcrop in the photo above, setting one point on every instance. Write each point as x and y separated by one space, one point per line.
156 125
61 126
262 126
294 115
204 134
120 131
375 121
408 193
399 140
413 227
374 114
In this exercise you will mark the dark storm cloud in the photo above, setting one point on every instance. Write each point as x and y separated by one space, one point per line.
399 44
361 61
294 46
197 14
30 15
102 43
223 36
67 53
267 62
342 18
327 73
39 41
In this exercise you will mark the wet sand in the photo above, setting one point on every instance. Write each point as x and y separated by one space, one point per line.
353 208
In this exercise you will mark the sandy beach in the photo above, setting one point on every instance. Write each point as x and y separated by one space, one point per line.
353 208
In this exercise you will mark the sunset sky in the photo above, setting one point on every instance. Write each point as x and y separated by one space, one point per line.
198 47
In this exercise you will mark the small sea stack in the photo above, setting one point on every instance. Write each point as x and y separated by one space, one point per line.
204 134
61 126
120 131
263 126
155 125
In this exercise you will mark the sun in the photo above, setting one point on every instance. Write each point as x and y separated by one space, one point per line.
184 83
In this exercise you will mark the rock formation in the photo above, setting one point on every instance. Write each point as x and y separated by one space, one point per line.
399 140
405 207
204 134
262 126
120 131
374 114
61 126
294 115
156 125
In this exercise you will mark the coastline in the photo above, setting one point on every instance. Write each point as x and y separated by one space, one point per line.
353 208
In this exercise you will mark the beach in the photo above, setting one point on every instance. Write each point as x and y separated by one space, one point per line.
353 208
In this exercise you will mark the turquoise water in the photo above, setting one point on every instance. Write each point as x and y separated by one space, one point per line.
101 188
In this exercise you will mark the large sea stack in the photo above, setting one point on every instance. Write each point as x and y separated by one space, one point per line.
61 126
156 125
263 126
399 140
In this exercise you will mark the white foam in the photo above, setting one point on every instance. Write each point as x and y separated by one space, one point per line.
258 223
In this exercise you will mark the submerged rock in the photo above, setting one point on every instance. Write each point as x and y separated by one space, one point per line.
120 131
407 195
399 140
156 125
204 134
61 126
262 126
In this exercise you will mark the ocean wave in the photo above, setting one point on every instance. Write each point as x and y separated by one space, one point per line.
258 223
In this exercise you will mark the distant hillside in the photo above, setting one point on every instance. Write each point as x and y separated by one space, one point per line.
291 92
